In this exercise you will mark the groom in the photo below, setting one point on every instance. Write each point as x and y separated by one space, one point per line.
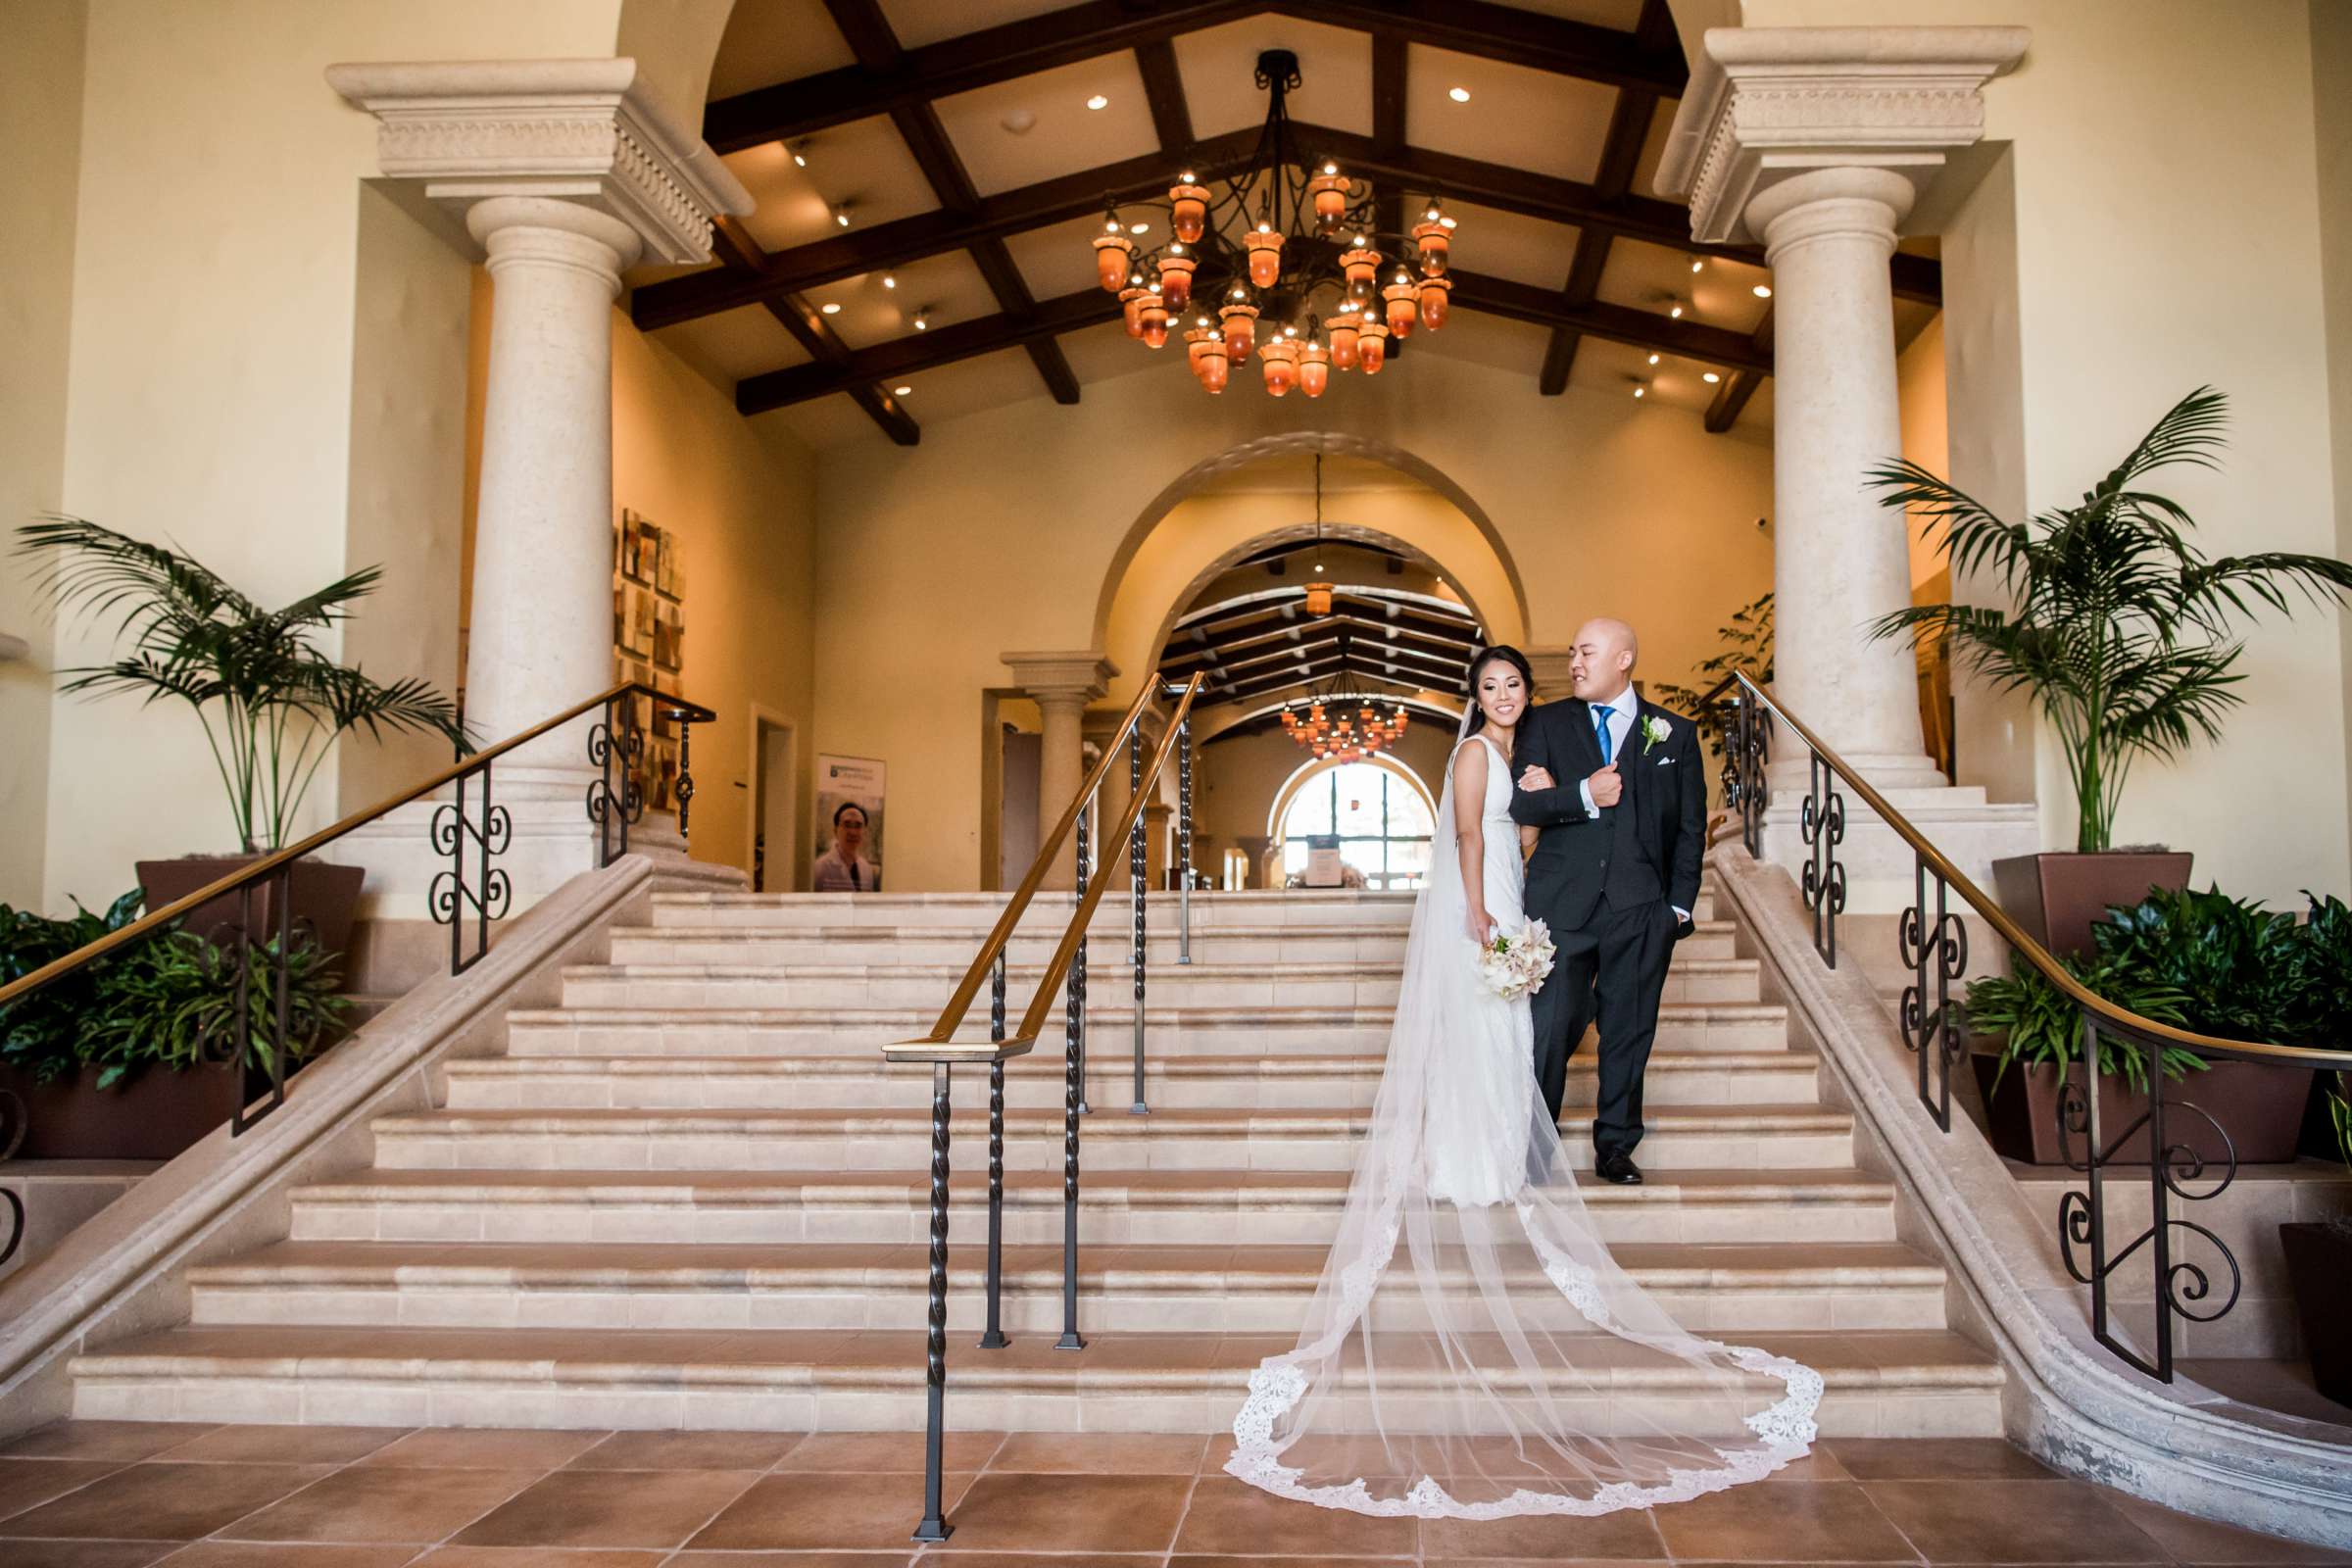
1614 875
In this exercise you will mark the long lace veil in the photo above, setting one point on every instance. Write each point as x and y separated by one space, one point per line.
1483 1360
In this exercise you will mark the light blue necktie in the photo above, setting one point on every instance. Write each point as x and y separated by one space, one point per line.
1600 727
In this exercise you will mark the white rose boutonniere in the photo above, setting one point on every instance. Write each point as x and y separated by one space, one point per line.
1653 731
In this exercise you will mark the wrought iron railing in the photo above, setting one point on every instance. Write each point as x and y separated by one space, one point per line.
1932 941
1064 975
468 829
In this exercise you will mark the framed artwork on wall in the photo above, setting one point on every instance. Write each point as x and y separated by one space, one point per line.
649 645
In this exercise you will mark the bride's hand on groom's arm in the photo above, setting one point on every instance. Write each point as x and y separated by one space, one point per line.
1535 778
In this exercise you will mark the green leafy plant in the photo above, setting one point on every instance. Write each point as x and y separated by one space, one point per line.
272 702
2118 626
2240 966
1746 644
2039 1022
163 1002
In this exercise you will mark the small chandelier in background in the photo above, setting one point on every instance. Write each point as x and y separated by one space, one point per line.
1288 264
1340 728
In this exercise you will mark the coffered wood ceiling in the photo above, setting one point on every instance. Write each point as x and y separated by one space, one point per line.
956 138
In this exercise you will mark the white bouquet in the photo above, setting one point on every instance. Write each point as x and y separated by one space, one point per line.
1514 963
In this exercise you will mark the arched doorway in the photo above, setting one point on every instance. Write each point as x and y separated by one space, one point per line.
1374 813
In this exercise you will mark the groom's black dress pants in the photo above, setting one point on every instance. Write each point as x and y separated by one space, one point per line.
1611 970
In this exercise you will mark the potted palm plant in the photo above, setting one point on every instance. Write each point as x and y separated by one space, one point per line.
272 703
2120 629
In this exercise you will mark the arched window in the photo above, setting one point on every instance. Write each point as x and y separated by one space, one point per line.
1376 813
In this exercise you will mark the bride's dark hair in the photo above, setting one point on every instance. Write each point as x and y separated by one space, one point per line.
1479 661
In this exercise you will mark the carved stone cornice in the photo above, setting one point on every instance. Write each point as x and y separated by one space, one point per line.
579 130
1079 675
1766 104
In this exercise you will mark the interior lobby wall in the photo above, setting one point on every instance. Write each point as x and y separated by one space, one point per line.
40 121
1919 381
2154 255
212 338
1000 530
2332 93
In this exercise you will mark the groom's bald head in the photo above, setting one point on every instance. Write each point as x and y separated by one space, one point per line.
1602 658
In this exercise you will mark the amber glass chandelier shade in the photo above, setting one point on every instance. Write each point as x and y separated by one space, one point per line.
1372 347
1281 362
1215 369
1404 307
1360 265
1241 329
1154 317
1318 602
1343 340
1329 193
1314 370
1437 295
1188 212
1265 257
1176 280
1435 239
1114 255
1131 308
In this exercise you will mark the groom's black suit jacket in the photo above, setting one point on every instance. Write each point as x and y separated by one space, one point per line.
1579 855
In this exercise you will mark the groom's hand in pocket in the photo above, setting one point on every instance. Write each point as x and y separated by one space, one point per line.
1606 787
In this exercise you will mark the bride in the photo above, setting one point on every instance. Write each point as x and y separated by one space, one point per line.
1473 1352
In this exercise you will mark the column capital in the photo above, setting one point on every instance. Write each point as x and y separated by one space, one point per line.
1766 105
583 131
1080 676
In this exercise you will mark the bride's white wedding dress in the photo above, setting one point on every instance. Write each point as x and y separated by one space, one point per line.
1473 1350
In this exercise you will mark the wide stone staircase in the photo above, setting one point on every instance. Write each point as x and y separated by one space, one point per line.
695 1196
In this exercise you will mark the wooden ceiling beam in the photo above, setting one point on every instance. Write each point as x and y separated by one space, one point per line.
1739 386
993 55
926 351
1618 323
1163 94
736 250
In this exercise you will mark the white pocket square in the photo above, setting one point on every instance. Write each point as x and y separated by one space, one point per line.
1663 761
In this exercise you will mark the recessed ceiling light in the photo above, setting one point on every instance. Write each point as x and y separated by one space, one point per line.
800 155
900 391
1709 376
831 307
1653 359
841 214
1697 262
890 280
1763 291
1019 122
1139 228
1098 101
1640 391
1460 95
922 318
1677 312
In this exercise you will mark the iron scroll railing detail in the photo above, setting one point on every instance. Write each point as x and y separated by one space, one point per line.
615 798
2181 1288
993 1336
1933 942
1073 1106
468 830
12 1139
1137 858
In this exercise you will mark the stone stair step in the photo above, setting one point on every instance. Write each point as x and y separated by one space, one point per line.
1349 985
1277 944
1716 1288
670 1081
1876 1381
977 913
1758 1137
1168 1030
1117 1208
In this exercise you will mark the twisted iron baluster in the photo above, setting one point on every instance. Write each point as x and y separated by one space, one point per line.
685 767
1073 1096
1184 839
994 1339
1136 874
1077 989
935 1361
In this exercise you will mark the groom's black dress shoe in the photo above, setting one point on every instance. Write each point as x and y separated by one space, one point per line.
1619 1168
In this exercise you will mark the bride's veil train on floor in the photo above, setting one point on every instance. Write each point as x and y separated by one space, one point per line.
1483 1359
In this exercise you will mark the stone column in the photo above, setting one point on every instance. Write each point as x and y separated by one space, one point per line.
1061 684
1820 143
565 173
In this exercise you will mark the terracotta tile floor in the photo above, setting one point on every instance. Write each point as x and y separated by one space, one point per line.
127 1495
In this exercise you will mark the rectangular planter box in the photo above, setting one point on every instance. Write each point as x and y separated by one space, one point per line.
2319 1263
2059 896
155 1116
326 898
2260 1107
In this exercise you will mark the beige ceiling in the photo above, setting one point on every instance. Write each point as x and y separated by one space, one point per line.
1038 127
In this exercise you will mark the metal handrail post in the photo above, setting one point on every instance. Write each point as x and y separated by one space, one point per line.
994 1338
1184 838
935 1526
1137 858
1074 1048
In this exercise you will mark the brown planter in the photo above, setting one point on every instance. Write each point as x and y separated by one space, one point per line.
2060 896
2319 1265
2261 1106
327 896
154 1116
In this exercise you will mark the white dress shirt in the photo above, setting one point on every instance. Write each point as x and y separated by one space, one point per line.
1622 709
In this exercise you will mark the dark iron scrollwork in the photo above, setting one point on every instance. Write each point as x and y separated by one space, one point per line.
1823 828
1935 949
2178 1288
1073 1107
485 892
1747 747
615 800
14 1121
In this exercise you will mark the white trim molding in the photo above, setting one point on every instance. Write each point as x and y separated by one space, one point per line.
588 131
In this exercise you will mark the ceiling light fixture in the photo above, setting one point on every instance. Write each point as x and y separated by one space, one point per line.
1676 314
1653 359
900 391
831 307
890 280
922 318
1709 376
1275 248
1639 390
1098 101
1460 95
1763 291
799 154
1697 262
841 214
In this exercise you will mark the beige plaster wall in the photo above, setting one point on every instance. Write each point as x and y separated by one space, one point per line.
1919 372
2332 93
41 124
2167 235
742 497
999 532
215 334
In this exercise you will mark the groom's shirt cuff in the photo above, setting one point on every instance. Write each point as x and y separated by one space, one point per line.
1680 913
1584 793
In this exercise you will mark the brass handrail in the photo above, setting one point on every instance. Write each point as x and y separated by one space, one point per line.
951 1016
147 924
2033 952
1059 967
